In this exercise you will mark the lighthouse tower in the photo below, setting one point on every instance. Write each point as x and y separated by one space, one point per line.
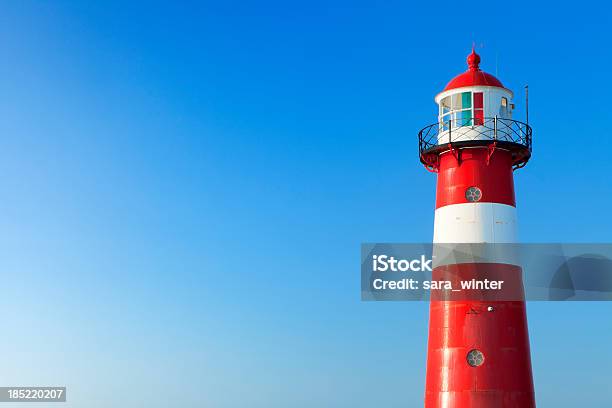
478 348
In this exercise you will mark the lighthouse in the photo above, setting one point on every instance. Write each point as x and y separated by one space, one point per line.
478 347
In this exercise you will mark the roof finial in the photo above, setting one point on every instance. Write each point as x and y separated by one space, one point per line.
473 60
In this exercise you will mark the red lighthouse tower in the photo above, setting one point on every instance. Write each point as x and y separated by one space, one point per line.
478 349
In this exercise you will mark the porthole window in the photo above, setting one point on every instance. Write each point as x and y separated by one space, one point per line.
475 358
473 194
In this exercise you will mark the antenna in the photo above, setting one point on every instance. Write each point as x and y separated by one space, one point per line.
527 103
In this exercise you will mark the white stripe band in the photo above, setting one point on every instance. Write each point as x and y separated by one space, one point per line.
475 223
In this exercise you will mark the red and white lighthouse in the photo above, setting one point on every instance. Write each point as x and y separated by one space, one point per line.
478 349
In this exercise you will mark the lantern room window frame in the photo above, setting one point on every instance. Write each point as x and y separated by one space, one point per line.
461 109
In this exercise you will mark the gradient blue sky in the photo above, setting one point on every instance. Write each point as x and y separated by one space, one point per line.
185 188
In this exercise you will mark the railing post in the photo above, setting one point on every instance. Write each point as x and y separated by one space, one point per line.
495 128
449 131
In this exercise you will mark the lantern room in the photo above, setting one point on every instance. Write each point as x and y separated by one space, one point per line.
475 110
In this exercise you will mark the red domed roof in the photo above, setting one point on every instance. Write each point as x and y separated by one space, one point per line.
473 76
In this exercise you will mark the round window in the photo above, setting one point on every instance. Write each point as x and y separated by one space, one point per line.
473 194
475 358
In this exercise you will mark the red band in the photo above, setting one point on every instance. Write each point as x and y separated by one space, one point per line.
497 330
488 169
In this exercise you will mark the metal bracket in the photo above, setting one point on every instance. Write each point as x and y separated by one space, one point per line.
519 166
490 151
430 165
456 153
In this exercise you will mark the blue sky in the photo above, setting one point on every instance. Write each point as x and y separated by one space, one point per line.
185 188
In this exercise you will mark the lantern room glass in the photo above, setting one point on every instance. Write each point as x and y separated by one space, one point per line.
462 109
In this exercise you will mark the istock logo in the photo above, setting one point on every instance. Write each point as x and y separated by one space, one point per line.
384 263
